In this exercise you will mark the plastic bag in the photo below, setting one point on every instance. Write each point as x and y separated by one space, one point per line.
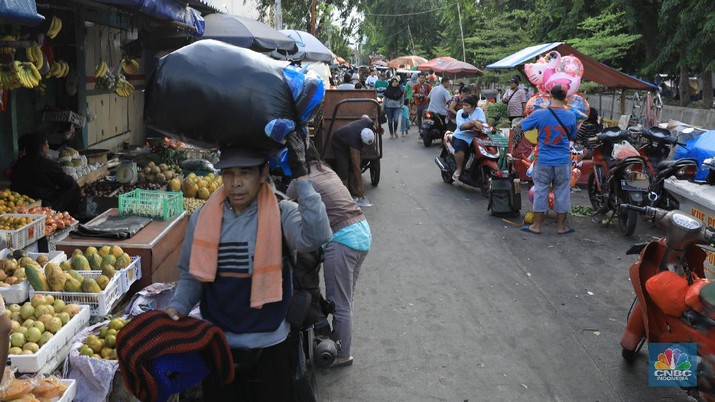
623 150
212 94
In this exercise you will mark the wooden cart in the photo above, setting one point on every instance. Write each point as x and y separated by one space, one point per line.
340 108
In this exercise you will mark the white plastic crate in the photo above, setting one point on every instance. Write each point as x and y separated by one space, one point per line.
20 292
70 392
26 235
54 350
127 276
100 304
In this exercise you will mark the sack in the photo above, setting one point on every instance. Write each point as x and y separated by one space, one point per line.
623 150
212 94
504 201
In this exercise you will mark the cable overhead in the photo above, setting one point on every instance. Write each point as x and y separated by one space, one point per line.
408 14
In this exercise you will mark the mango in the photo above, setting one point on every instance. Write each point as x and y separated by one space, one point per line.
108 271
95 262
123 261
90 250
102 281
104 250
76 275
42 259
66 265
20 274
90 286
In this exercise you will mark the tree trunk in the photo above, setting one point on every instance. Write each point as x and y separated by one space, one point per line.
684 82
707 88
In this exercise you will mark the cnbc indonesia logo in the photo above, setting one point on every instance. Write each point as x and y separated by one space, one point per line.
673 365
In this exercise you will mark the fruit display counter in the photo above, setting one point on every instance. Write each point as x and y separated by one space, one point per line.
158 244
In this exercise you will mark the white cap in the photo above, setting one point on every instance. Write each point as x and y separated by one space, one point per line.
367 136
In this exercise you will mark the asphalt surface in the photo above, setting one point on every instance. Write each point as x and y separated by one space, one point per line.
453 304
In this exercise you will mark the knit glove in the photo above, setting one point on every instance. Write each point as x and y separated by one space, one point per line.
296 155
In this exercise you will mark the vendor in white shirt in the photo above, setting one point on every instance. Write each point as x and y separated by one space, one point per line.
470 119
371 79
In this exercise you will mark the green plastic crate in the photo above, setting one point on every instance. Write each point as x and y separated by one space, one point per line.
153 204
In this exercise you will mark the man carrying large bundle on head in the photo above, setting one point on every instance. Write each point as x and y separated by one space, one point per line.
234 260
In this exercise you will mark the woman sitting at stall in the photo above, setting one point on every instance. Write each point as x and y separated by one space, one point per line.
42 179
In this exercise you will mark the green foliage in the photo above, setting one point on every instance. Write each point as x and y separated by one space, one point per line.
603 37
497 114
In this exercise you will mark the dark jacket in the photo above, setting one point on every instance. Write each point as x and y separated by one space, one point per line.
43 179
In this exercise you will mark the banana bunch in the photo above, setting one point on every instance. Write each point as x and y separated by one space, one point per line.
123 88
129 66
8 50
9 76
55 27
101 70
34 55
58 69
29 75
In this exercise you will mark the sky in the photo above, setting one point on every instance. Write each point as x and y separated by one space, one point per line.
236 7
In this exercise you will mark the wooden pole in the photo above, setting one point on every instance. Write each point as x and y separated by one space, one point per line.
623 101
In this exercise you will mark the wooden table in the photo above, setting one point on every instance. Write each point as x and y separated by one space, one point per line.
158 244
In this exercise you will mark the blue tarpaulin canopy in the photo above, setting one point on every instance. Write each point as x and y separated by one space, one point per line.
23 12
593 70
169 10
700 148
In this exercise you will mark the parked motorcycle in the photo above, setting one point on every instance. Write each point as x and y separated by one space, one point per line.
657 319
480 164
433 128
613 182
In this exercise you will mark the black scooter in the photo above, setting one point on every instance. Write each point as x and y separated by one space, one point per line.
433 128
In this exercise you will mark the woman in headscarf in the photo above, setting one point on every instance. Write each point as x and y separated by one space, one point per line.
393 100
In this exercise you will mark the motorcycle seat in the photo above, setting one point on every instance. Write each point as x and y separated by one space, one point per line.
657 134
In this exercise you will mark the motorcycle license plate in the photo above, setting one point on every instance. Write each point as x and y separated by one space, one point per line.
627 187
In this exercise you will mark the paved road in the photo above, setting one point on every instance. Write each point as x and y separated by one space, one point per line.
454 305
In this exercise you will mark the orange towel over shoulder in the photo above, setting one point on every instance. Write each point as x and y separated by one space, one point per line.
266 281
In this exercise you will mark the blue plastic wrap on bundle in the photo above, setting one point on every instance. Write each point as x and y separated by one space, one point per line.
279 160
294 78
313 94
278 129
178 372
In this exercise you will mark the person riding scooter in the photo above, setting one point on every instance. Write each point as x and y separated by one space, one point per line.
469 119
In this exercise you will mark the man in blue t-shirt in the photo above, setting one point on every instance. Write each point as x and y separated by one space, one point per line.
470 119
552 166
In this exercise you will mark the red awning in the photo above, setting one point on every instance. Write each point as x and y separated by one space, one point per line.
450 66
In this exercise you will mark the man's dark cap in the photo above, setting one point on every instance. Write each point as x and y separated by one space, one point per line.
240 157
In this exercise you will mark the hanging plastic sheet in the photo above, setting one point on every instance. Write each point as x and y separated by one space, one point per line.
164 9
23 12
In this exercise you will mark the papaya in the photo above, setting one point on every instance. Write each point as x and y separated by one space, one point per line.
95 262
25 261
123 261
102 281
90 286
66 265
117 251
108 260
72 285
76 275
80 263
108 271
55 277
37 279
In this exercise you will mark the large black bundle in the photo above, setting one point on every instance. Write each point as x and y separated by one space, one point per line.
212 94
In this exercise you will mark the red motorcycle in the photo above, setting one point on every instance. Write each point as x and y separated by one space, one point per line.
659 314
480 164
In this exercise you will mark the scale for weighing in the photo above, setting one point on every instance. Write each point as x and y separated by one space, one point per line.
127 172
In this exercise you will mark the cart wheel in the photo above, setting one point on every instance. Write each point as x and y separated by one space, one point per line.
375 172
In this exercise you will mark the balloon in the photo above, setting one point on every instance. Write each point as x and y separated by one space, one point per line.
552 198
532 191
579 106
575 175
571 65
572 82
538 101
535 72
532 136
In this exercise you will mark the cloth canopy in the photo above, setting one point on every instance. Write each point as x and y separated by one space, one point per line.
407 61
450 66
164 10
593 69
246 33
23 12
310 48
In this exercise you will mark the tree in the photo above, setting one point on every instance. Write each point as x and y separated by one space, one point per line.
604 37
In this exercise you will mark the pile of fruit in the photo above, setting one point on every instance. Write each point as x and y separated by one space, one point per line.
13 267
30 389
14 222
162 173
36 322
192 204
9 200
200 187
103 346
54 220
111 188
65 277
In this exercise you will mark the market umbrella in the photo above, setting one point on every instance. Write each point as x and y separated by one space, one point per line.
407 61
246 33
380 63
310 48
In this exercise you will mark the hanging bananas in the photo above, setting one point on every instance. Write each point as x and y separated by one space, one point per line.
101 70
8 50
55 27
58 69
34 55
29 75
9 76
129 66
123 87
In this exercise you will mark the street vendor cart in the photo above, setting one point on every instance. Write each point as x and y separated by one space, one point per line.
340 108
